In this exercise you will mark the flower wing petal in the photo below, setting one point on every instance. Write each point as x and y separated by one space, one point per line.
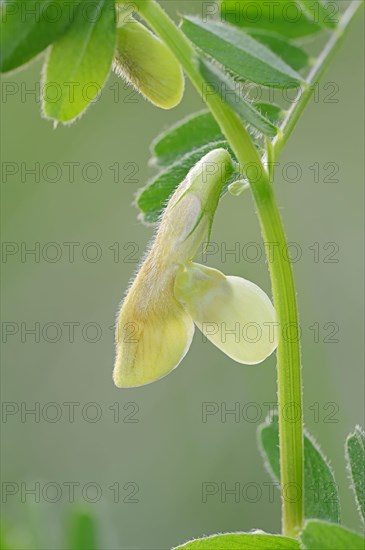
234 314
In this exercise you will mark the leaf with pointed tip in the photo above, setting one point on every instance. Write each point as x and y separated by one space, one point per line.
355 457
320 535
79 63
241 541
285 17
231 93
239 53
322 12
293 55
152 198
321 499
191 133
27 28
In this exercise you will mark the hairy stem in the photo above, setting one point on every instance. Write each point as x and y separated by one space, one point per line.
288 354
289 379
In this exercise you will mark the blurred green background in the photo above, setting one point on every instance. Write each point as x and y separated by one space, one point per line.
138 459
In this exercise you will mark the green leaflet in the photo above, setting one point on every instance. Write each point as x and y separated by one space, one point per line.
321 498
232 94
325 13
80 61
28 26
189 134
320 535
293 55
241 541
355 457
239 53
285 17
152 199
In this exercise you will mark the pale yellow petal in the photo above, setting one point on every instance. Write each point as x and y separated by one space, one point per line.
147 63
233 313
153 331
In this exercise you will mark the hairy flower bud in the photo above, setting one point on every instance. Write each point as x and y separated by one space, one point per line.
147 63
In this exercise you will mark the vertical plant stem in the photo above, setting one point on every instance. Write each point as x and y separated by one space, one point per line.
289 379
282 281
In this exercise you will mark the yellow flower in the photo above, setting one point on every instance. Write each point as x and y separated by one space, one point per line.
147 63
170 293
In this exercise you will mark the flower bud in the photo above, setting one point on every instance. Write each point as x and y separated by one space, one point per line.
148 64
187 220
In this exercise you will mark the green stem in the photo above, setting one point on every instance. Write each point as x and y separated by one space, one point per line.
288 354
289 379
